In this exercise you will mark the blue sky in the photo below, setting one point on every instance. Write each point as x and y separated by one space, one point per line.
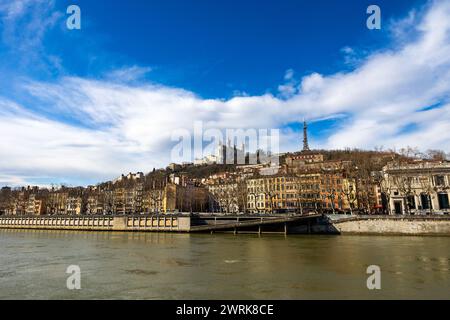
213 48
93 103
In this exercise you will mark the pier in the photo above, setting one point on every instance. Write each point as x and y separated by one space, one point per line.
254 224
163 223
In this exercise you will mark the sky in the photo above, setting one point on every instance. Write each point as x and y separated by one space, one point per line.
78 107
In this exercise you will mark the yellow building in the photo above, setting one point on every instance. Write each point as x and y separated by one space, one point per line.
95 204
34 206
152 201
273 194
56 203
73 206
119 200
310 199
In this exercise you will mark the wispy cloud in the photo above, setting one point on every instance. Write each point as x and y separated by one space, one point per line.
25 24
128 74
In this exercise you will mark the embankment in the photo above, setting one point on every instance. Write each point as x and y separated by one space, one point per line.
384 225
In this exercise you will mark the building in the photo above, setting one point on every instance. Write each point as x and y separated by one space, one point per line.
310 191
416 187
34 206
224 195
73 205
227 154
18 204
133 199
209 159
119 200
332 192
189 198
130 177
95 203
152 201
5 200
274 194
56 203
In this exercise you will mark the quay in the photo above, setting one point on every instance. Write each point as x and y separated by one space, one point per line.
312 223
162 223
411 225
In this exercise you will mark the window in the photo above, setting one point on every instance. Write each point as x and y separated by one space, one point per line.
443 201
411 202
439 181
425 200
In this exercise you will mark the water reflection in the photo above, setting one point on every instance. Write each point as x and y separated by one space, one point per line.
182 266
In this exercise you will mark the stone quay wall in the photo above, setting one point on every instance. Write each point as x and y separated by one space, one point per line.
385 225
156 223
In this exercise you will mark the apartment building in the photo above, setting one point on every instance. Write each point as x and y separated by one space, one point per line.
34 206
152 201
56 203
73 205
273 194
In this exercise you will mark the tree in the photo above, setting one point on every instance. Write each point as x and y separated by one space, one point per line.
332 196
426 183
437 155
255 199
385 188
404 185
242 194
348 191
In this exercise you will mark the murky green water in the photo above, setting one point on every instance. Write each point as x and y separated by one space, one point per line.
179 266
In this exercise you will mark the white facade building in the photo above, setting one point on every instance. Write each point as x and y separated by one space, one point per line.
418 187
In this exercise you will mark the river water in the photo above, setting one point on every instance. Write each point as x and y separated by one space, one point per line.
33 265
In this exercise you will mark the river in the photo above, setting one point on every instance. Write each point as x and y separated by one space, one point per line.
113 265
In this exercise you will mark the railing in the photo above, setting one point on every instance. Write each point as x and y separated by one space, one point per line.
251 222
73 222
389 217
119 223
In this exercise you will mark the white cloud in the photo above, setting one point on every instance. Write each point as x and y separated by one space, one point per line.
289 88
116 127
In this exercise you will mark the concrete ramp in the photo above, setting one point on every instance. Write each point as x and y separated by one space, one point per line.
249 223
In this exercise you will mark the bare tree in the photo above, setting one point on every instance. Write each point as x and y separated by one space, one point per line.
242 194
348 191
386 188
437 155
426 183
404 185
255 199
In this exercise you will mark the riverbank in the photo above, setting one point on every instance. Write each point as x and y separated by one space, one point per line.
438 225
